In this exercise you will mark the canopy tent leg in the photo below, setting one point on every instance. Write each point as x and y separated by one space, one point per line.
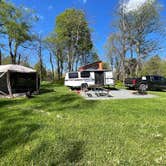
2 75
9 85
3 93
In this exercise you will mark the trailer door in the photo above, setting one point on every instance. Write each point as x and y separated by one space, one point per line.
99 78
109 78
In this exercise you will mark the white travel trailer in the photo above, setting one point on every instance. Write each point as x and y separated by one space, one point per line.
89 78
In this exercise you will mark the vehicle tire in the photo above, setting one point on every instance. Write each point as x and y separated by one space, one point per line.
84 87
142 88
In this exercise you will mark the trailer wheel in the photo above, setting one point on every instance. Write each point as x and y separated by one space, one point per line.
84 87
28 94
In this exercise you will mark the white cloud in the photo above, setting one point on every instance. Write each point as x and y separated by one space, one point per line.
84 1
134 5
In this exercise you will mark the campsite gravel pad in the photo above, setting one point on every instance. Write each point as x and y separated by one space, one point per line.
116 94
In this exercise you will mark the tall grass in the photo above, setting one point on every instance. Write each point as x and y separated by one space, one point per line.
58 127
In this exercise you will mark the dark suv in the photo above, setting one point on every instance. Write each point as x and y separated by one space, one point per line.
152 82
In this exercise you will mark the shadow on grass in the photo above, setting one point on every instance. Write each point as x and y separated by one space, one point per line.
74 151
63 102
16 129
66 152
50 85
83 105
12 136
10 102
46 90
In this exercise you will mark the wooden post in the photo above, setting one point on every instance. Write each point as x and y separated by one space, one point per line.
9 85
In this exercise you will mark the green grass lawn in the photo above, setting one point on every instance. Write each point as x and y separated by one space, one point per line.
59 127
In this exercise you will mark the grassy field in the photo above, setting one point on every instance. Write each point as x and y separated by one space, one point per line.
59 127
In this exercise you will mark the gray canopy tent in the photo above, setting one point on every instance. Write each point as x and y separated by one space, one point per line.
18 79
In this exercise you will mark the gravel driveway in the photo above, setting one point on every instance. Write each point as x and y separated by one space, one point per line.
116 94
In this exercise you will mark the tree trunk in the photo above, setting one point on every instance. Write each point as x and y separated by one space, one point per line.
13 61
71 58
37 83
69 61
40 61
19 59
76 65
58 69
15 52
52 67
138 60
69 66
61 68
123 65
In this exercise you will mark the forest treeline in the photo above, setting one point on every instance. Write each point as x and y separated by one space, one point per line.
132 49
138 34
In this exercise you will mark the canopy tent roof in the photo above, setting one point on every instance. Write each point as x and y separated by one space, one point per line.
16 68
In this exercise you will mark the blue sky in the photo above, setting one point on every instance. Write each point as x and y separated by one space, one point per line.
100 14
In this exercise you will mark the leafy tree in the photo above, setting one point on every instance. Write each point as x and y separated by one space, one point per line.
153 66
38 45
3 16
43 73
130 67
134 38
15 24
6 60
141 24
116 55
163 68
92 57
74 35
106 66
56 50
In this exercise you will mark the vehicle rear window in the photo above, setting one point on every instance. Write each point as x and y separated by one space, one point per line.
156 78
85 74
73 75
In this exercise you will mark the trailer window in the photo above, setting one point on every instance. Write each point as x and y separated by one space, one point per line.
73 75
85 74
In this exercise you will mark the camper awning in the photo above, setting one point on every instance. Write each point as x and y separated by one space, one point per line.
15 68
